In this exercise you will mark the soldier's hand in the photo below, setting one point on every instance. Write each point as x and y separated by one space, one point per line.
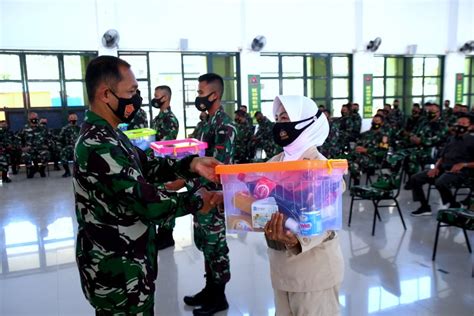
457 167
208 198
25 149
205 167
433 173
361 150
415 140
175 185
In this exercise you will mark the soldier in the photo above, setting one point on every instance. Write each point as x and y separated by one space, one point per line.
6 143
35 142
447 111
263 138
197 133
244 134
54 143
356 121
165 123
209 230
396 117
139 121
337 143
68 137
119 196
451 169
431 134
248 117
167 126
370 150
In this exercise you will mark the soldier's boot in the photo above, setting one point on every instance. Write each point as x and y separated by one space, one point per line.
14 169
56 166
67 171
217 301
41 171
201 297
5 178
30 171
164 239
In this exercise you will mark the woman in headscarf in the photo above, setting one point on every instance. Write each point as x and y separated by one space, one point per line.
306 272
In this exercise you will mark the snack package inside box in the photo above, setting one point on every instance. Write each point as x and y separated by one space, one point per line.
308 193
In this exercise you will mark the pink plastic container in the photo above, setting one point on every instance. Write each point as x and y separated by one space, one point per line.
179 149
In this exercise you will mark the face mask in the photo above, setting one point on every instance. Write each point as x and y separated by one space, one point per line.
157 103
460 130
34 121
375 125
203 103
355 110
127 108
395 106
73 122
286 133
431 115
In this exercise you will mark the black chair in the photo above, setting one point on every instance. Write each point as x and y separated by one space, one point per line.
458 217
378 193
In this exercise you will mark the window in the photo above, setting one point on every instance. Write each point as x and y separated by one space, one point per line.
468 94
325 78
42 80
408 79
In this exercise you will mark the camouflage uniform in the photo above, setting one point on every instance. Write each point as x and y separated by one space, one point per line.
68 137
197 133
39 141
209 230
139 120
166 125
118 201
376 142
244 134
356 122
340 135
7 139
395 119
432 134
263 139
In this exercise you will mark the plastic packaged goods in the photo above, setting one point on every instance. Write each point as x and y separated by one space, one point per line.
307 192
141 137
179 148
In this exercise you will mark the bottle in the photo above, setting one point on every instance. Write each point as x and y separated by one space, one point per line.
310 222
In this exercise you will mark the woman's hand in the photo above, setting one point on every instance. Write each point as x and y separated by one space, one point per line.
275 230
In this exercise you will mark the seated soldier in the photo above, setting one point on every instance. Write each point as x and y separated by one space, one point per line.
451 169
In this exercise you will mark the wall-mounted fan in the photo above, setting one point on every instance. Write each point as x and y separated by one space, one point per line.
374 45
258 43
467 48
111 38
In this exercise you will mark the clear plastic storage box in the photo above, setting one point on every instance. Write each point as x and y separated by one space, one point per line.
307 192
179 148
141 137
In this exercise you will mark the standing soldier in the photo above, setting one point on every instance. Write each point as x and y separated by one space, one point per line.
209 230
356 121
263 138
35 146
6 143
244 134
68 137
54 143
248 117
165 123
395 117
197 133
139 121
167 126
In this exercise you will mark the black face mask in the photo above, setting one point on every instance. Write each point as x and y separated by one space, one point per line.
73 122
127 108
430 115
395 106
34 121
376 126
460 130
286 133
355 111
203 103
157 103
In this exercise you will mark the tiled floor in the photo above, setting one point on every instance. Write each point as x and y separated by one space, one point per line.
389 274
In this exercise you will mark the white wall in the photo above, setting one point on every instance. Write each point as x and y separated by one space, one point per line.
339 26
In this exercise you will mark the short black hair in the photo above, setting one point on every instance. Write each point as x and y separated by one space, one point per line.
165 88
470 117
380 116
243 106
103 69
348 106
257 113
239 113
416 105
215 79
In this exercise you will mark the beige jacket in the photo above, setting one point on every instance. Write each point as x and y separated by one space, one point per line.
319 266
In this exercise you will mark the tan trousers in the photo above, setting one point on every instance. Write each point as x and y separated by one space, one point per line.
319 303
